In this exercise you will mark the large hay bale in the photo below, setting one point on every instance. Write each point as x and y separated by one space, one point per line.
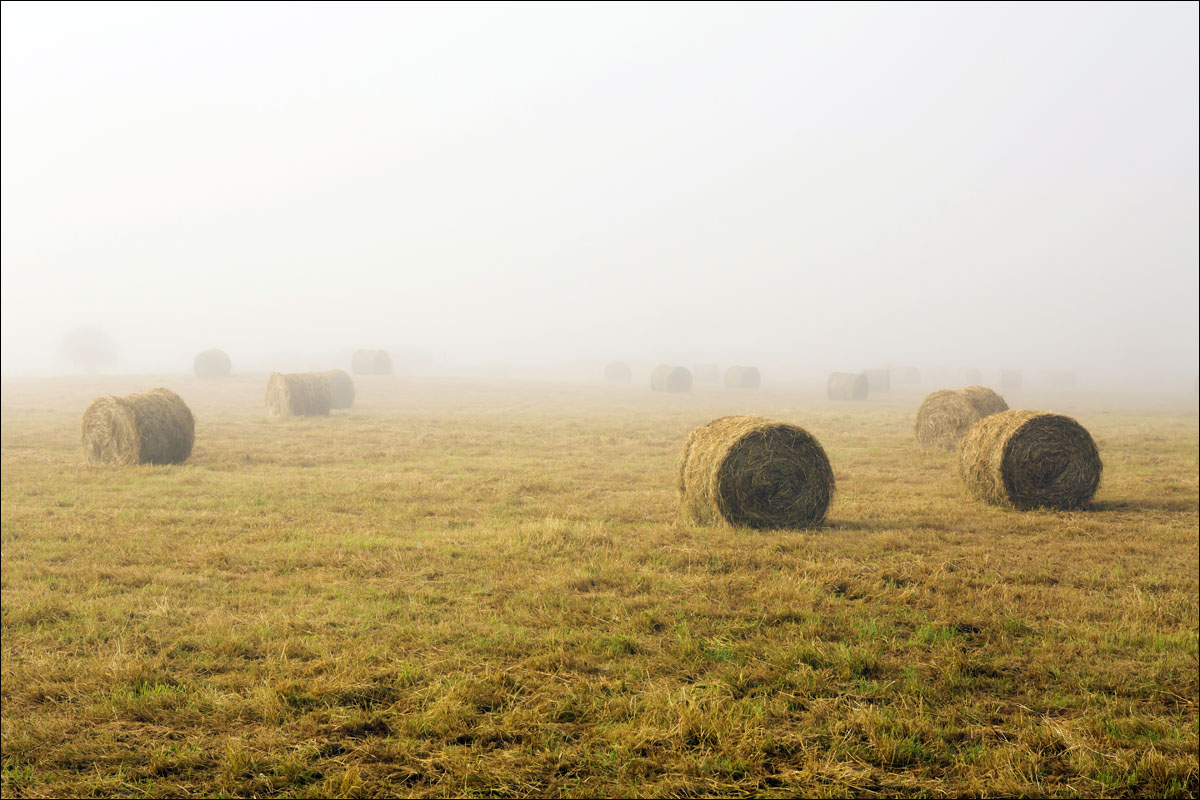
618 372
946 415
341 388
846 386
154 427
1030 459
371 362
212 364
298 394
706 373
754 472
742 378
878 380
667 378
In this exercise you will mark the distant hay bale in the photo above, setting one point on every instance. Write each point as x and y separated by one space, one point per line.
298 394
846 386
667 378
878 380
212 364
706 373
1030 459
371 362
742 378
154 427
1011 379
754 472
946 415
341 388
618 372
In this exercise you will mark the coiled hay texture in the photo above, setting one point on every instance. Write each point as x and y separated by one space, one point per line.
754 472
212 364
667 378
878 380
846 386
1030 459
742 378
706 373
945 416
618 372
298 394
371 362
154 427
341 388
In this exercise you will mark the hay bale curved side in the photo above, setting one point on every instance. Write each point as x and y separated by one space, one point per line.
212 364
945 416
154 427
618 372
341 388
371 362
742 378
706 373
668 378
1030 459
754 472
298 394
846 386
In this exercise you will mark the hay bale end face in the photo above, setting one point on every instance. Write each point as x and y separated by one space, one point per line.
742 378
878 380
754 472
706 373
618 372
298 394
667 378
154 427
1030 459
945 416
212 364
341 388
371 362
846 386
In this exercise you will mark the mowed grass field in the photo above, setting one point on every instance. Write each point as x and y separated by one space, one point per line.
470 588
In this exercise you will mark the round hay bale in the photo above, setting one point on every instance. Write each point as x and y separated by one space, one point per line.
878 380
706 373
1030 459
212 364
754 472
618 372
371 362
667 378
846 386
742 378
298 394
341 388
945 416
154 427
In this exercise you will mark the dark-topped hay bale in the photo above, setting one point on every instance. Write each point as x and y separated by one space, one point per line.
341 388
878 380
618 372
754 472
946 415
1030 459
212 364
154 427
1011 379
742 378
706 373
846 386
371 362
298 394
667 378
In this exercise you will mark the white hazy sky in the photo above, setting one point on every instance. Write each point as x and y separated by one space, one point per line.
853 184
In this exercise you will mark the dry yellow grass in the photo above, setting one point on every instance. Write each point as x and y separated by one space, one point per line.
459 588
